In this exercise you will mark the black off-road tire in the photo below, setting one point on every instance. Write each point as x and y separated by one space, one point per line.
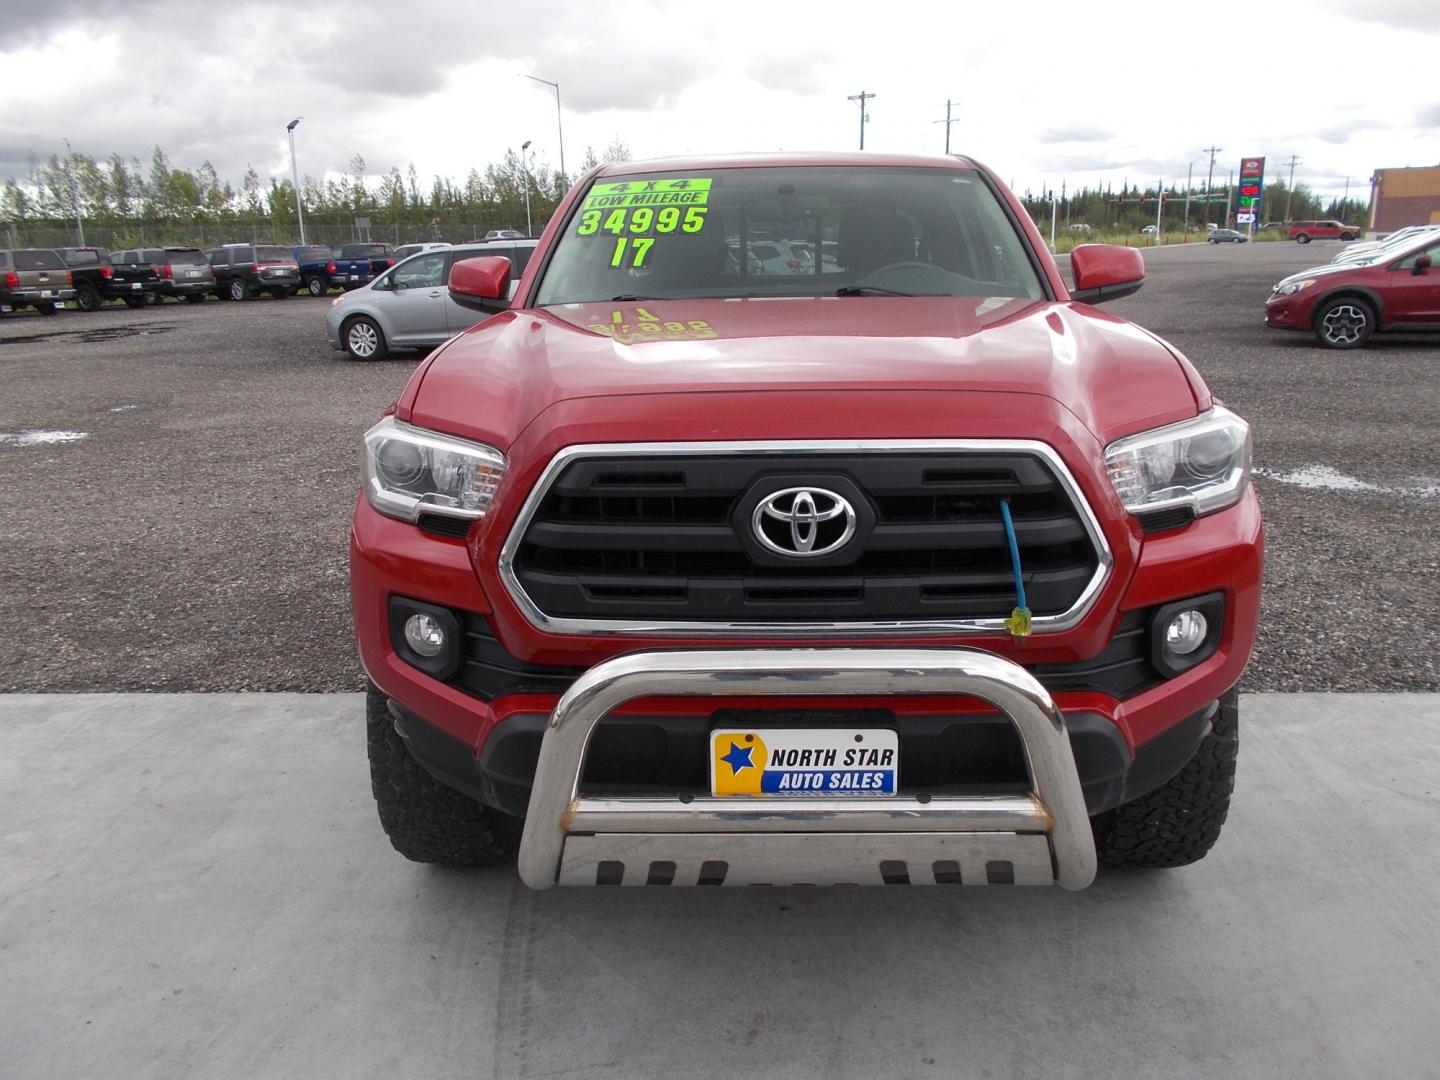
87 297
1178 822
426 821
195 298
46 309
316 285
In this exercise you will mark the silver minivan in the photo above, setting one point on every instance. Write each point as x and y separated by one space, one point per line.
409 306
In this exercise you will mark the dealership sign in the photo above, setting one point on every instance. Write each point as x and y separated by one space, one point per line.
1252 184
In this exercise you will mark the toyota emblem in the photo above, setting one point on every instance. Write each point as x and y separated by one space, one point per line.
804 522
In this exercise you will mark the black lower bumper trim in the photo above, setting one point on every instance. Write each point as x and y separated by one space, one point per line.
634 755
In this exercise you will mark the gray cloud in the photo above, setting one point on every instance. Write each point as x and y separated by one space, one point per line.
779 69
220 83
1075 133
1418 15
1428 116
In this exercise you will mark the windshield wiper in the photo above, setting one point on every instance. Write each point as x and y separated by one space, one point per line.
870 290
626 298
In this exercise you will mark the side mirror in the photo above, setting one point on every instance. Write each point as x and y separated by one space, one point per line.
482 284
1105 272
1422 263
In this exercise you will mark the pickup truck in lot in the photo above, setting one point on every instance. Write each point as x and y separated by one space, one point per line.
917 568
321 270
380 257
34 277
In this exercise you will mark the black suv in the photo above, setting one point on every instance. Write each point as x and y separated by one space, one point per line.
244 271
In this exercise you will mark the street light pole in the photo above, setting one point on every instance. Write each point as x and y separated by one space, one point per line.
559 125
74 197
525 164
295 174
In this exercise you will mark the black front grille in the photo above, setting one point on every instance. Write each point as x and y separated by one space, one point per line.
664 538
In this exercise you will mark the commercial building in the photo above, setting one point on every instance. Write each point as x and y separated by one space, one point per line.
1400 197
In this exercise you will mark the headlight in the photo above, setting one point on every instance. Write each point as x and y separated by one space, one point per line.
1203 463
409 472
1293 287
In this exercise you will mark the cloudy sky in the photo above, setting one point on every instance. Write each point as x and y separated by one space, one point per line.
1044 90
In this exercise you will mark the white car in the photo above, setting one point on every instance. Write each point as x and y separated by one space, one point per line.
404 251
1355 252
409 306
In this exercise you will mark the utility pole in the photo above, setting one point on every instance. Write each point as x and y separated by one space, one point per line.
1229 196
863 97
1188 187
1345 202
74 196
947 122
1290 191
1209 175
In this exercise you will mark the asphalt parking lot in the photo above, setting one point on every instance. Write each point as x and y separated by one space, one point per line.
194 538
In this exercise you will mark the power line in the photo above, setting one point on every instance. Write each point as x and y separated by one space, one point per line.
862 97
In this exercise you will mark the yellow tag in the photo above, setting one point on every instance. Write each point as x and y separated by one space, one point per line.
1019 622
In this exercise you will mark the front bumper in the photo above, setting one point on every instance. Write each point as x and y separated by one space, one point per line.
1042 837
1287 313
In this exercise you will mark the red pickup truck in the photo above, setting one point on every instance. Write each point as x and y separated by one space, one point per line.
900 564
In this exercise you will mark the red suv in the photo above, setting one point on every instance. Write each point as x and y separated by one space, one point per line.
1343 304
909 566
1302 232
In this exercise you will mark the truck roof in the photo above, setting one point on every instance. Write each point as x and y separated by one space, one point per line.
794 159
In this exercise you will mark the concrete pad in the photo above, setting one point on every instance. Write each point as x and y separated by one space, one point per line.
196 886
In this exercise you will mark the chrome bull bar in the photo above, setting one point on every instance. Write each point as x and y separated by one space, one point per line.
1039 838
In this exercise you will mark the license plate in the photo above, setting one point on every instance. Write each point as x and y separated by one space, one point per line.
804 761
135 285
192 273
354 277
44 292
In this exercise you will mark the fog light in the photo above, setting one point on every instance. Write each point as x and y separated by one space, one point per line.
1186 632
426 636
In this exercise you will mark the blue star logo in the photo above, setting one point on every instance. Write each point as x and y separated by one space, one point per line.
739 757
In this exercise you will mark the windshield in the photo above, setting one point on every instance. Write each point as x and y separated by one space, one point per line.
757 231
273 254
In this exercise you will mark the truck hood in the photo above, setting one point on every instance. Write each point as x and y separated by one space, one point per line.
493 381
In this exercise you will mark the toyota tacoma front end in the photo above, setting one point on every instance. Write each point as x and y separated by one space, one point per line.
895 563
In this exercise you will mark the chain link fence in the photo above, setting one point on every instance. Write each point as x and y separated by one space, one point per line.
331 229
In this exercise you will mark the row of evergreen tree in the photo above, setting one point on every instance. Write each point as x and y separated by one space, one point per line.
1129 209
120 204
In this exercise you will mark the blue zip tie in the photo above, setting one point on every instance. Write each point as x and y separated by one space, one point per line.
1019 622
